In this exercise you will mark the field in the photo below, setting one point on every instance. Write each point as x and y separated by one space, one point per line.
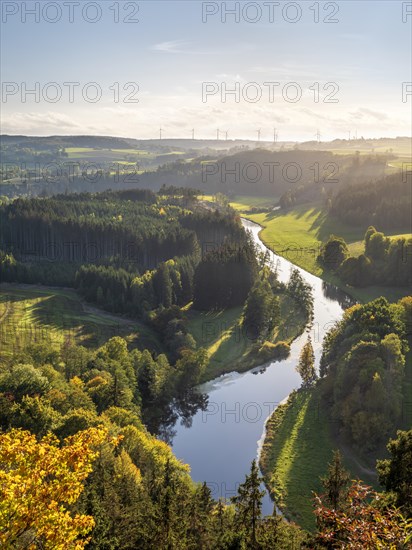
49 316
298 235
228 347
91 154
298 446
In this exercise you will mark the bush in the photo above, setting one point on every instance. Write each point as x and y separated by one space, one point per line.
269 351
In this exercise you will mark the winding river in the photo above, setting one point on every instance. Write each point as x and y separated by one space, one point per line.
222 441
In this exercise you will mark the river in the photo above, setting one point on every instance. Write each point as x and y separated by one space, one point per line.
222 441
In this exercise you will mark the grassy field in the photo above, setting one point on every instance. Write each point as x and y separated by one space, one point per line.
298 235
243 203
297 449
46 315
228 347
91 153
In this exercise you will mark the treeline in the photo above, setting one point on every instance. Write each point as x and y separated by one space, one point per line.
93 476
330 176
301 291
225 276
122 249
138 494
362 370
126 226
91 228
120 291
385 261
261 313
42 389
386 203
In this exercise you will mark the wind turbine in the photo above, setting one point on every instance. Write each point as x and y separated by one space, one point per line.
160 132
258 134
275 135
226 134
217 134
318 136
193 133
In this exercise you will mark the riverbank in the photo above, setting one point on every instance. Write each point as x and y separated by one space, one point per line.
295 453
298 234
228 346
298 445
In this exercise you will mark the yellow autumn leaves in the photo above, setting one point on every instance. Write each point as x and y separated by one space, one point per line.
38 479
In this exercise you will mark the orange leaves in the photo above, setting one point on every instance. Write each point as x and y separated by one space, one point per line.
36 480
360 524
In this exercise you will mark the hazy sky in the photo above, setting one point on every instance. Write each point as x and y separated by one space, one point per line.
177 47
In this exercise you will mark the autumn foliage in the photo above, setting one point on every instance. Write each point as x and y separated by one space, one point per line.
39 481
361 523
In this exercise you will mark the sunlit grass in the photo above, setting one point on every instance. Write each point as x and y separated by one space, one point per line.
53 316
298 234
295 454
228 346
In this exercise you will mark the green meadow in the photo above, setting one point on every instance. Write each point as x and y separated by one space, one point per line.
298 234
298 446
226 343
49 316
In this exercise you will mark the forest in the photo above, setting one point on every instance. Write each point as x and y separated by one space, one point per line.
362 371
385 203
74 420
385 261
87 428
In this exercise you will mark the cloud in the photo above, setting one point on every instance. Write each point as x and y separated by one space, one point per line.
171 46
363 112
41 123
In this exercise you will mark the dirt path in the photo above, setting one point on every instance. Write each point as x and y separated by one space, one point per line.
350 456
87 308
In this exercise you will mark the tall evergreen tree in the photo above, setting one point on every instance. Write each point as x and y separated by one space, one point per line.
306 365
395 473
248 505
336 482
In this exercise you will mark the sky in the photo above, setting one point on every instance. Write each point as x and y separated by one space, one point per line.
138 66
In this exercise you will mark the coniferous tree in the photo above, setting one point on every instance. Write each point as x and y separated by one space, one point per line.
395 473
248 505
306 365
336 482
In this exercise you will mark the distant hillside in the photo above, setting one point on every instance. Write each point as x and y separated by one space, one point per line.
385 203
260 172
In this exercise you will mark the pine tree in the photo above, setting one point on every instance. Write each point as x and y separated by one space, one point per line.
248 505
306 365
336 482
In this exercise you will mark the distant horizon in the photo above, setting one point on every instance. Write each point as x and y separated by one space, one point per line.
215 140
182 65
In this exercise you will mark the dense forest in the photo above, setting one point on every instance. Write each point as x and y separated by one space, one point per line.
93 228
128 251
74 436
386 203
85 431
362 371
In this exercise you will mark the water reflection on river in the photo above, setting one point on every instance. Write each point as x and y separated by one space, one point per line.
220 442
